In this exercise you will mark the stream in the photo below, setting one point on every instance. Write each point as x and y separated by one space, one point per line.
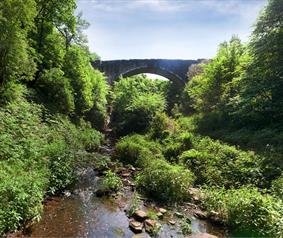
82 214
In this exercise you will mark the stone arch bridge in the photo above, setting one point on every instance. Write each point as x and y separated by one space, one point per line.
174 70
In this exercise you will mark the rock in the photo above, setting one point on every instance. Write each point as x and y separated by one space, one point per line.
135 226
133 169
200 214
193 191
67 193
140 215
179 215
171 222
159 215
196 198
150 225
202 235
141 235
162 210
125 174
150 222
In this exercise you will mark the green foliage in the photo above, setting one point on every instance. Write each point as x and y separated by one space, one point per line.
176 144
210 90
162 126
186 226
137 149
135 203
111 182
36 156
82 77
22 187
215 163
136 101
277 187
260 102
247 211
57 90
16 55
165 182
61 165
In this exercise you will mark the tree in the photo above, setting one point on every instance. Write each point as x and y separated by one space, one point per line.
16 55
262 86
208 90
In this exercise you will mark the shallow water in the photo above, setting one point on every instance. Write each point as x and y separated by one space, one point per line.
82 214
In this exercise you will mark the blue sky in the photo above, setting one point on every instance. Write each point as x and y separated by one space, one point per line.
171 29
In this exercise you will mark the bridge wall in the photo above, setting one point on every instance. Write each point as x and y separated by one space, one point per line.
174 70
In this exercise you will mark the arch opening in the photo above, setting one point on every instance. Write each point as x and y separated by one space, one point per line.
157 71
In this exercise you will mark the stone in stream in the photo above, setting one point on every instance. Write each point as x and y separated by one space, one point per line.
179 215
200 214
140 215
202 235
162 210
136 226
159 215
171 222
151 225
125 174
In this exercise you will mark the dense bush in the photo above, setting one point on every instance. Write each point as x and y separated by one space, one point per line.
246 211
136 101
110 182
165 182
137 149
162 126
37 156
277 187
175 144
219 164
56 91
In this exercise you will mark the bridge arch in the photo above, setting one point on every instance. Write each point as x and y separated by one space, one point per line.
158 71
174 70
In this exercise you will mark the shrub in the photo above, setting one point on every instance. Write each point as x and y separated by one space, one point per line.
137 149
162 126
22 187
277 187
61 165
176 144
219 164
246 211
136 101
56 91
36 156
110 182
165 182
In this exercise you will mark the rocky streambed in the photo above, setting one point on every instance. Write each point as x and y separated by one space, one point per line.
86 211
81 213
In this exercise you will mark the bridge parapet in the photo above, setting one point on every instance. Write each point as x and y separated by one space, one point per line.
174 70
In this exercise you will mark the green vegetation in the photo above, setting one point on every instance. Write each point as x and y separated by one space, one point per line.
165 182
111 182
221 133
49 97
133 111
246 211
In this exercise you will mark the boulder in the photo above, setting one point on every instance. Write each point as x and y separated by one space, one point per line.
200 214
135 226
162 210
140 215
171 222
150 225
179 215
